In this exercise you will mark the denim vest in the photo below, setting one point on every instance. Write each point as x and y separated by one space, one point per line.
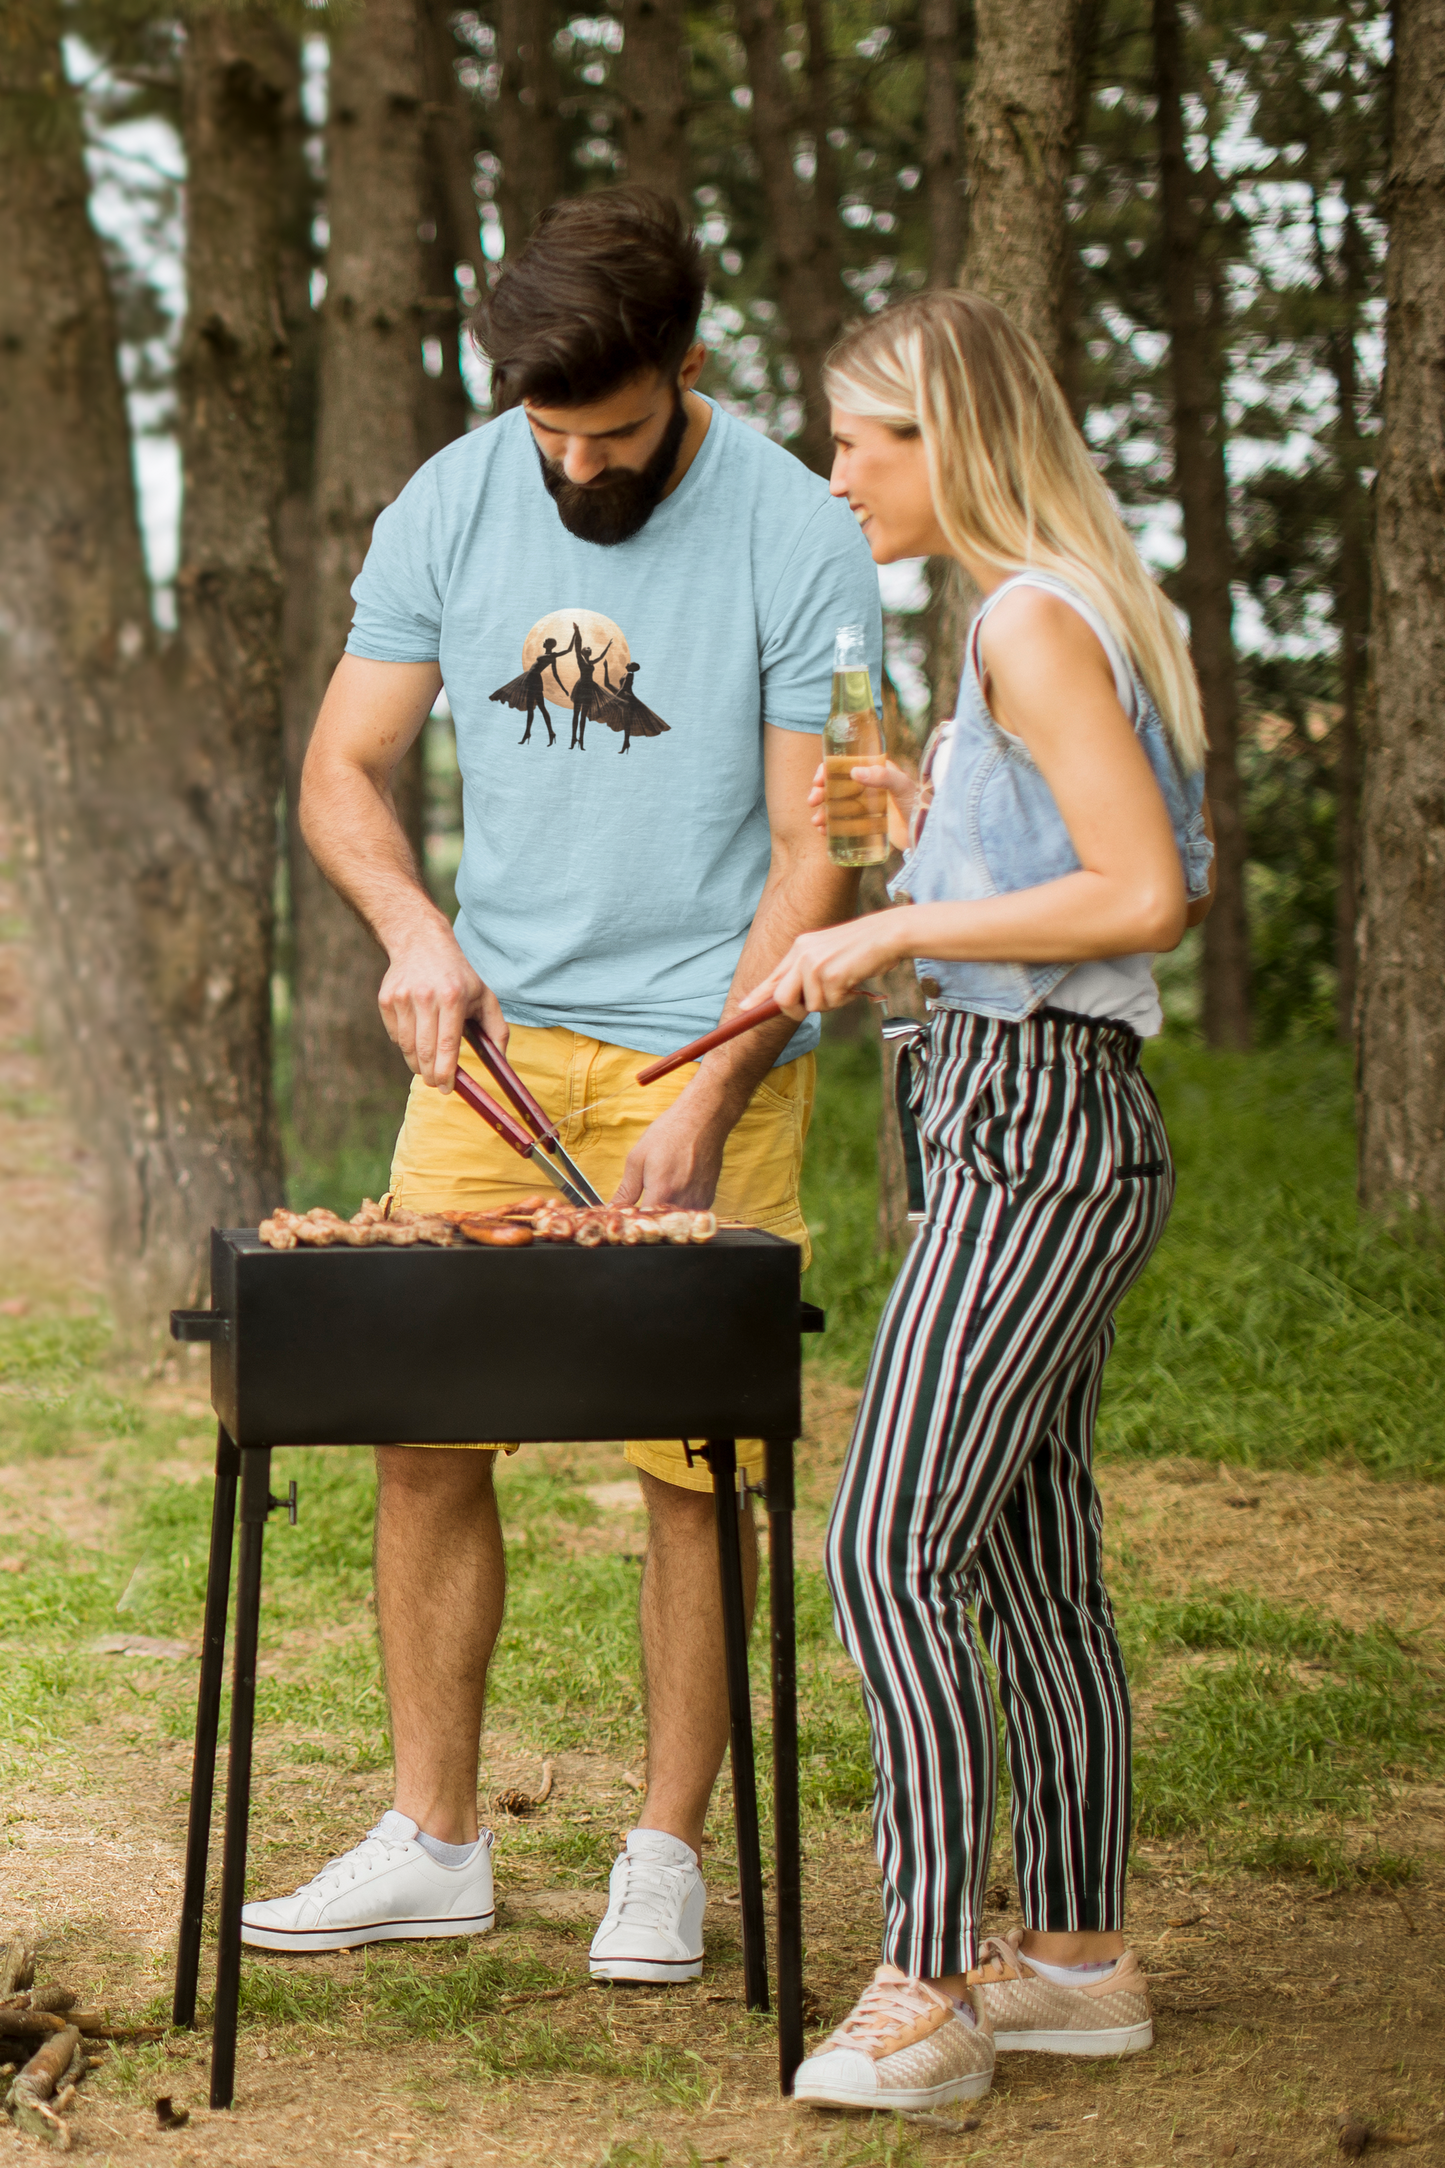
994 826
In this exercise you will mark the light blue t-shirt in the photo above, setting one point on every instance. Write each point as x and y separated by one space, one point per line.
608 886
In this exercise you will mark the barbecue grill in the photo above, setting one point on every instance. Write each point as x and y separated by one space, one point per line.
387 1346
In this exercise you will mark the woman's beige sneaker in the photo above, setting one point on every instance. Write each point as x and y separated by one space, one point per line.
1111 2017
902 2046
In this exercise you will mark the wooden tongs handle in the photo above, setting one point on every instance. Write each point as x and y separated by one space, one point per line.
732 1029
497 1066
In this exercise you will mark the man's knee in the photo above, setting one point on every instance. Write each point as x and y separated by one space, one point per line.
433 1476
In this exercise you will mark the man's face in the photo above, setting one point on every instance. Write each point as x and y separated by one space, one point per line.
607 465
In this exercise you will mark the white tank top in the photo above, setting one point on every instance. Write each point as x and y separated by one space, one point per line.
1119 987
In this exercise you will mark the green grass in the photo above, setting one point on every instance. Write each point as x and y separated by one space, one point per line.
1275 1325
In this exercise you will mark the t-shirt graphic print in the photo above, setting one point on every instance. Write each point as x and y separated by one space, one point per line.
613 895
574 677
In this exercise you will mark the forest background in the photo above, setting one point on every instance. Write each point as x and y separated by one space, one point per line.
238 248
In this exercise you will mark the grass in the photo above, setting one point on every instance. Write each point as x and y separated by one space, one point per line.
1275 1326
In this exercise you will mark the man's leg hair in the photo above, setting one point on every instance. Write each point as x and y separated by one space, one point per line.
684 1667
440 1589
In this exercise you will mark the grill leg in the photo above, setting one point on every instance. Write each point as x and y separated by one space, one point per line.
208 1717
255 1503
785 1761
723 1460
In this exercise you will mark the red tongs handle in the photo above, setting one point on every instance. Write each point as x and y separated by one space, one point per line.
733 1029
494 1116
495 1062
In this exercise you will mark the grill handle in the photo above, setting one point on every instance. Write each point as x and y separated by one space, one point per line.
811 1318
200 1325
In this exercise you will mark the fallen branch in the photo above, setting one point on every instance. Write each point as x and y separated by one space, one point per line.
29 2096
17 1965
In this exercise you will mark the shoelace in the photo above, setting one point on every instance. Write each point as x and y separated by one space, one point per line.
885 2008
997 1960
370 1852
651 1891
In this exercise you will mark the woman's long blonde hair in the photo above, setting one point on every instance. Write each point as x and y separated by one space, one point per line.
1012 480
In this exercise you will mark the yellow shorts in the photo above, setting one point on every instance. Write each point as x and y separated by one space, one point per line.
446 1156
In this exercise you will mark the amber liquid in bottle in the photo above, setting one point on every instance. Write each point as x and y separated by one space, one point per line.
857 815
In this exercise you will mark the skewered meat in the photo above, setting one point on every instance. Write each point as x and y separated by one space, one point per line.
512 1226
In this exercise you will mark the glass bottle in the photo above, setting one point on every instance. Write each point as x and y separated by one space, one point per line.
857 817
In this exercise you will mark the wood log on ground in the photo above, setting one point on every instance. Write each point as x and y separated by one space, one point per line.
30 2094
17 1964
52 1997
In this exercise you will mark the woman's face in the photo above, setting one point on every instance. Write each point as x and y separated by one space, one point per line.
885 480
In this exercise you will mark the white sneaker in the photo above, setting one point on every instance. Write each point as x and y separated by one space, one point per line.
652 1929
385 1889
902 2046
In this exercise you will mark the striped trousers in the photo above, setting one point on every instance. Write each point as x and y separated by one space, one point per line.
969 1482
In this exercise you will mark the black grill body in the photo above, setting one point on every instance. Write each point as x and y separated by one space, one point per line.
425 1346
340 1346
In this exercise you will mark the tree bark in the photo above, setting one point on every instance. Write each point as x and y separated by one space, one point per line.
529 134
1194 305
942 171
347 1077
1022 121
144 780
654 89
1352 614
1401 1011
810 290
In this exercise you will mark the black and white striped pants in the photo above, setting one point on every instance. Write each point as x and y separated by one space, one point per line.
969 1482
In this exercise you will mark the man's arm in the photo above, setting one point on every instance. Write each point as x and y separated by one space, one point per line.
371 716
680 1157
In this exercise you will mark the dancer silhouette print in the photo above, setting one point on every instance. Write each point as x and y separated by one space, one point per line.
622 710
579 661
527 692
587 694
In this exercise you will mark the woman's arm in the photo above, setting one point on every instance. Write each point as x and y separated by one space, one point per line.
1049 683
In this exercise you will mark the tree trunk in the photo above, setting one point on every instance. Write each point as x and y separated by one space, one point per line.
654 90
1023 118
1402 1011
348 1079
810 291
1352 616
942 175
1194 306
144 782
528 125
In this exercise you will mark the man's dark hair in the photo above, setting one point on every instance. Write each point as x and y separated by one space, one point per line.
608 285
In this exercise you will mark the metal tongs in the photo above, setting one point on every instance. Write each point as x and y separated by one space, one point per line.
539 1140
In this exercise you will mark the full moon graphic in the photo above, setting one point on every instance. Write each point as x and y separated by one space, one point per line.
597 633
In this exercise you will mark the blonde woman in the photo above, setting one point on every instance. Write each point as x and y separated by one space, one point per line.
1058 841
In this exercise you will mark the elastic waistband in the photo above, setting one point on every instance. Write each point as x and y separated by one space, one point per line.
1048 1038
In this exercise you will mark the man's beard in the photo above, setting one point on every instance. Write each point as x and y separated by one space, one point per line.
618 506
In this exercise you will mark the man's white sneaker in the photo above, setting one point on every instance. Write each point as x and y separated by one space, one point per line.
902 2046
385 1889
652 1929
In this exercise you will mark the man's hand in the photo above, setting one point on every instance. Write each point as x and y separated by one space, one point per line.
679 1159
427 995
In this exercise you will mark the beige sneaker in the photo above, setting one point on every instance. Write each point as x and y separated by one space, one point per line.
902 2046
1111 2017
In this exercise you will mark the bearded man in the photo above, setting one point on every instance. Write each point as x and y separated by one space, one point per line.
608 911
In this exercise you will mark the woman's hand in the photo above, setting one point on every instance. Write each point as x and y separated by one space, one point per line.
902 789
824 970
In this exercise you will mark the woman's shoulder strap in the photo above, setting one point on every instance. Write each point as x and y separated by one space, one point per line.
1125 684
